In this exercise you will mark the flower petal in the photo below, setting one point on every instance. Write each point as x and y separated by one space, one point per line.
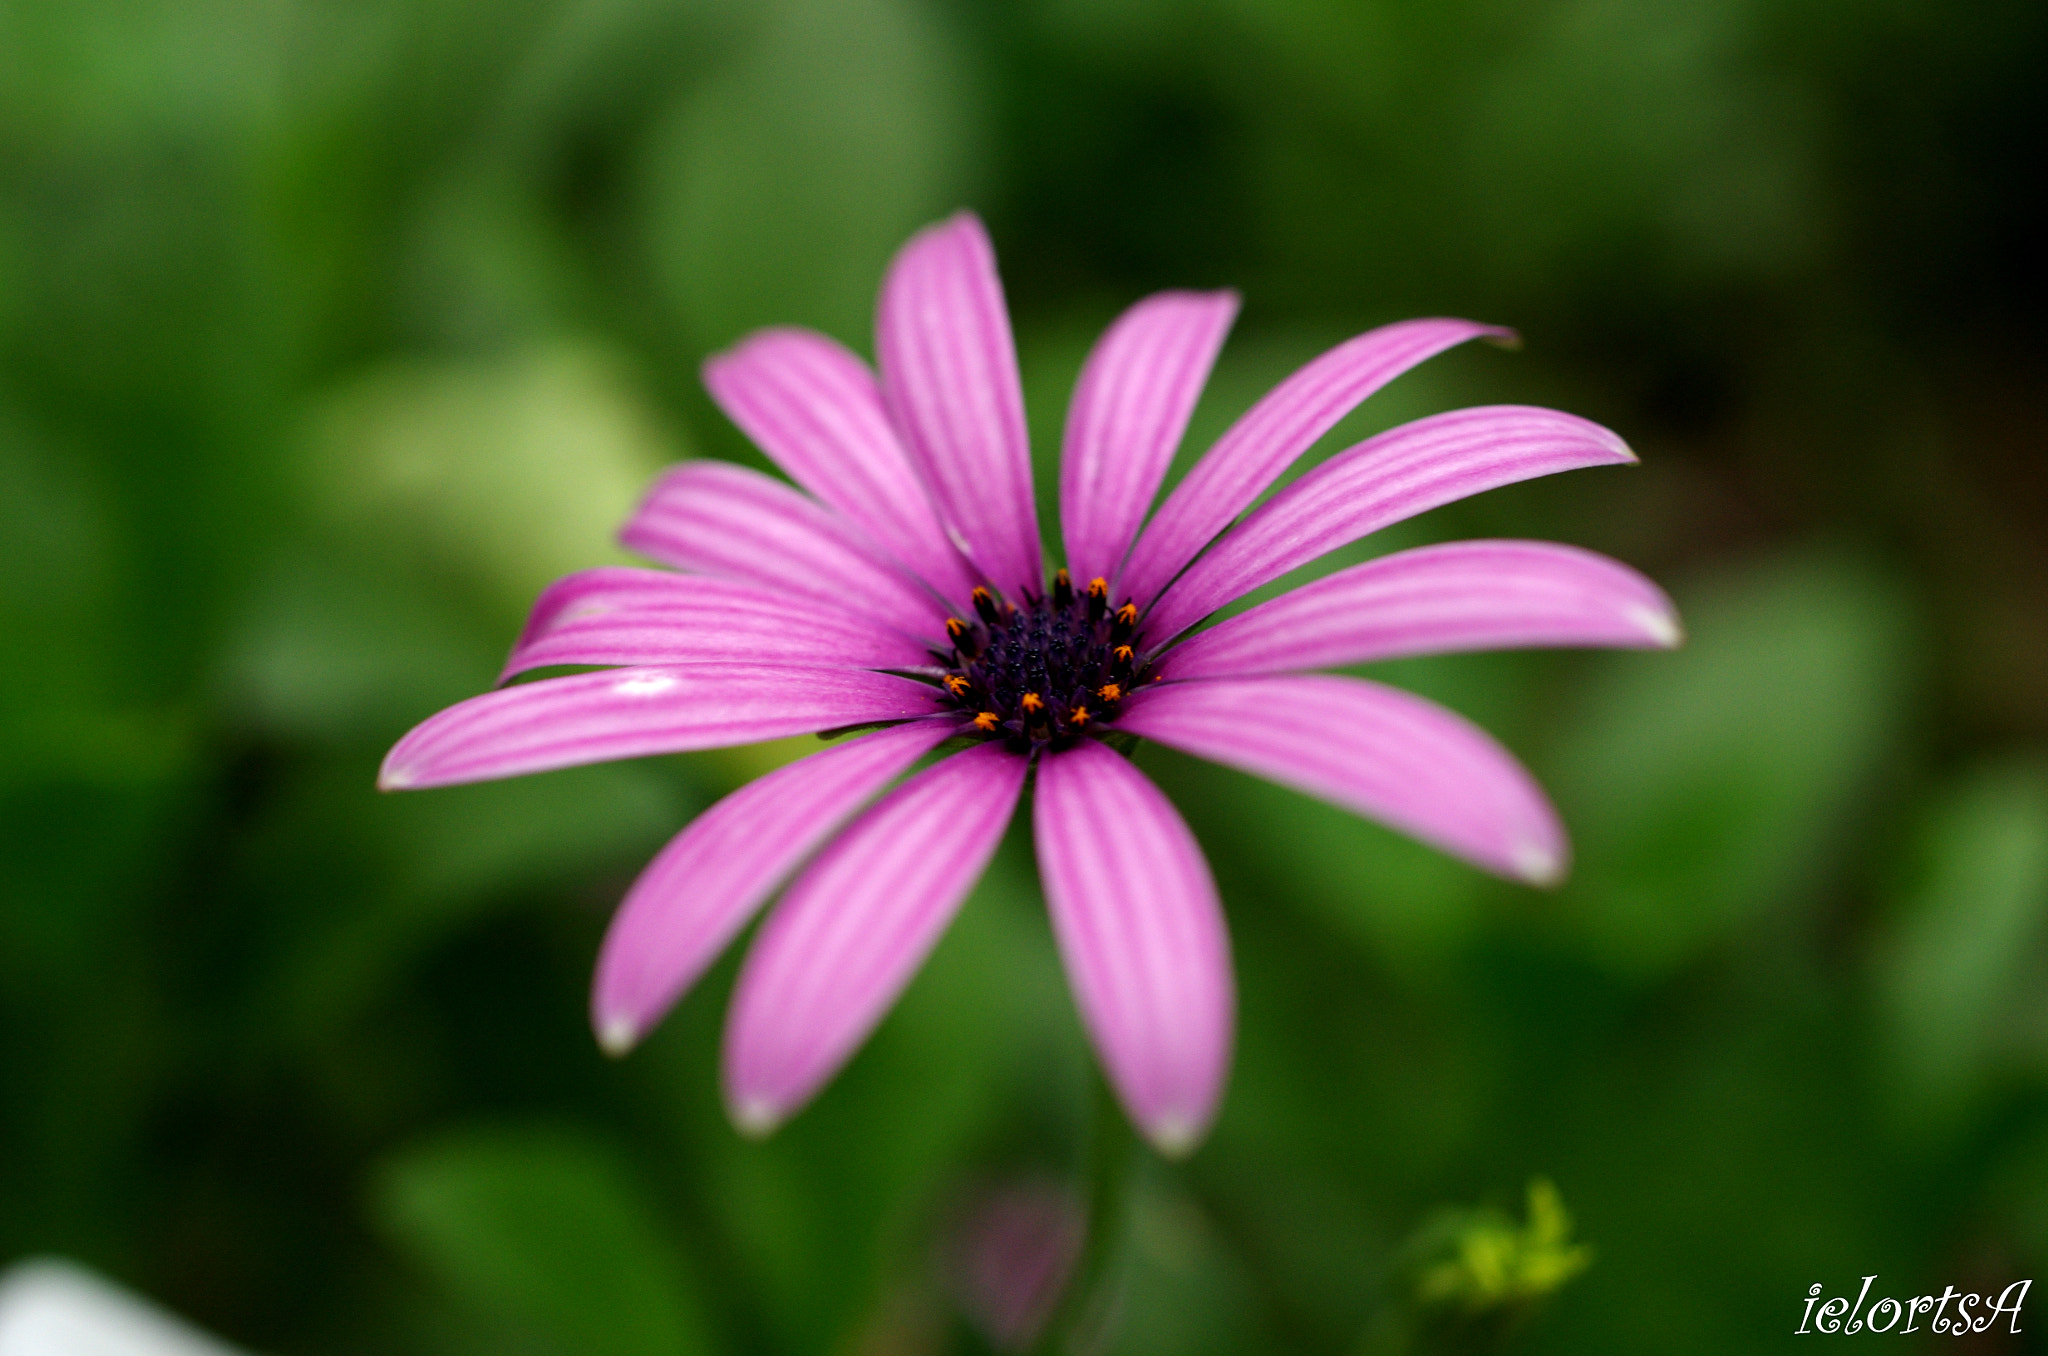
1265 442
1130 408
1466 595
712 517
853 929
1141 931
1382 480
704 886
700 618
815 408
627 713
1375 750
602 589
949 370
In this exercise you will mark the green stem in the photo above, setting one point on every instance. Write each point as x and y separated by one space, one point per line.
1113 1157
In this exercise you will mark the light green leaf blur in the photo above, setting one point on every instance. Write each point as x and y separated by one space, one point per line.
513 470
547 1238
778 188
1964 952
1707 788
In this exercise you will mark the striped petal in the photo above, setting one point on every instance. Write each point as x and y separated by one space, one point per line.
949 370
1375 750
1382 480
606 588
837 951
1265 442
1467 595
627 713
1129 410
709 880
710 620
1141 932
712 517
816 410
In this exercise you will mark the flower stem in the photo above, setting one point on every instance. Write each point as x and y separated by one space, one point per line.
1086 1303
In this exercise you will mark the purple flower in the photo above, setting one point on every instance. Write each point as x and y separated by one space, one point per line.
1010 1256
901 587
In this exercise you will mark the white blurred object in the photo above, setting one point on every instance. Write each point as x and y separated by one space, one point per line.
52 1308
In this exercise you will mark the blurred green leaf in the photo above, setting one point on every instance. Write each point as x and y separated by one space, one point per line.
779 189
546 1236
333 647
1710 786
1961 959
436 858
512 470
1621 124
1183 1291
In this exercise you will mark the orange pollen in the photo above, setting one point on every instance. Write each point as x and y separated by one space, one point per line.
1032 702
1124 654
957 685
1078 716
1128 614
1110 692
955 628
987 720
1098 587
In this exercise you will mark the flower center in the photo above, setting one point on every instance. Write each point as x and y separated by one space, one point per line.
1052 670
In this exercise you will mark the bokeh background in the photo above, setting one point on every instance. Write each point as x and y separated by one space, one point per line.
330 331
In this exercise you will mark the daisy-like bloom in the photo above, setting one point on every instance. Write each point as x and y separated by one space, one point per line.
899 588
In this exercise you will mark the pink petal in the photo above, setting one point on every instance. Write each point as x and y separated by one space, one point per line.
1142 934
853 929
815 408
626 713
606 588
708 619
712 517
1382 480
950 374
1265 442
1375 750
708 881
1467 595
1129 411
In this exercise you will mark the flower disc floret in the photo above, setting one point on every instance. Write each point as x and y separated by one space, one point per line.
1045 673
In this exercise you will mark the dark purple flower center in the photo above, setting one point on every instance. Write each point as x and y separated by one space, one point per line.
1049 671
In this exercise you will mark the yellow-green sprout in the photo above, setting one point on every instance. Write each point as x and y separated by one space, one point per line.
1496 1262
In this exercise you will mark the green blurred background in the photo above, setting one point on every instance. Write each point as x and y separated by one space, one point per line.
332 329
